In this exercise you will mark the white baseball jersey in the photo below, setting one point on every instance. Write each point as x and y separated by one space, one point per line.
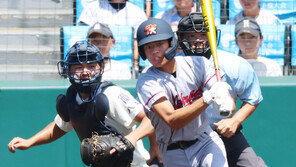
123 109
101 11
192 75
264 18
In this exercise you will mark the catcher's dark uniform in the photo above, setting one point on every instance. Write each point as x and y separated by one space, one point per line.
86 117
118 110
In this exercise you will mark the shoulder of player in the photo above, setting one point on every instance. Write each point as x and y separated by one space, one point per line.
113 90
234 64
227 56
150 75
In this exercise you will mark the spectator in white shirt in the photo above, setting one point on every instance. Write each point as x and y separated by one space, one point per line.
248 38
251 8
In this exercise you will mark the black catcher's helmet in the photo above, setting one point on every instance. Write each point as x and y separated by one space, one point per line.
192 23
83 52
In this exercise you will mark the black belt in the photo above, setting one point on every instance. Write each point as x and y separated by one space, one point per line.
181 144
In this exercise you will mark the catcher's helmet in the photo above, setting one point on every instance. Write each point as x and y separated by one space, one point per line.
153 30
83 52
192 23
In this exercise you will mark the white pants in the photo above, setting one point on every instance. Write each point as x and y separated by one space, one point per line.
208 151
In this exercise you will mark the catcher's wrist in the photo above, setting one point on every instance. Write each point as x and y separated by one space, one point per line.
207 97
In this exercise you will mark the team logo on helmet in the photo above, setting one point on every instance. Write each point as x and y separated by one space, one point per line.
150 29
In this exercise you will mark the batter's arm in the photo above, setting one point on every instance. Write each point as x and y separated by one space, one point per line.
49 134
178 118
227 127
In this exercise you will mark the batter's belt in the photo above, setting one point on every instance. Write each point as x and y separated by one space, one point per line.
181 144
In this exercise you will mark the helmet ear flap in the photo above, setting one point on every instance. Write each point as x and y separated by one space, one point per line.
172 50
142 53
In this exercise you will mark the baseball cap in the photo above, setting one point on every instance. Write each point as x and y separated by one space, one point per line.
247 25
101 29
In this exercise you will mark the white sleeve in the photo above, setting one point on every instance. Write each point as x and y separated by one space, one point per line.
123 106
65 126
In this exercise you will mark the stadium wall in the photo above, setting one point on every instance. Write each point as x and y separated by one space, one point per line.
28 106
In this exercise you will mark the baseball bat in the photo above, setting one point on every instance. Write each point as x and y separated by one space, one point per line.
207 12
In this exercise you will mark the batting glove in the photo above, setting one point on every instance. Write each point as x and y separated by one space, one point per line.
221 99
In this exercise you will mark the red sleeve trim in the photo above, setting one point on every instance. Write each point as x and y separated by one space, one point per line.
209 79
152 97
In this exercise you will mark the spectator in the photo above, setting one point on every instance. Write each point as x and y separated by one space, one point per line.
114 12
251 8
101 36
248 38
173 16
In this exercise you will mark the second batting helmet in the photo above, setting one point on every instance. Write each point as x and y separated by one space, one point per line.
153 30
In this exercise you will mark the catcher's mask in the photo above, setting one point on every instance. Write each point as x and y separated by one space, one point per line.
83 52
153 30
193 23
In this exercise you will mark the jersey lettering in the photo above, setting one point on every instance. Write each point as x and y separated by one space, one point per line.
180 100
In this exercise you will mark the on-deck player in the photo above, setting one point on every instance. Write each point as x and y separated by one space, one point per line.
172 92
240 75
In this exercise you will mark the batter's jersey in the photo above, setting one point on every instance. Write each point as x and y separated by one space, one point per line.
192 74
243 80
123 109
101 11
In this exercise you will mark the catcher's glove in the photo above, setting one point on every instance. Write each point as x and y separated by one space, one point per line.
95 151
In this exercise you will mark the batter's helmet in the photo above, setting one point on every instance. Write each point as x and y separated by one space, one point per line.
192 23
83 52
153 30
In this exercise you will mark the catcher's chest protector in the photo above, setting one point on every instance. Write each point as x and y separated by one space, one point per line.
88 117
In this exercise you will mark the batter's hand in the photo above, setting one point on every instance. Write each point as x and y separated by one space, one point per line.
227 127
18 143
223 102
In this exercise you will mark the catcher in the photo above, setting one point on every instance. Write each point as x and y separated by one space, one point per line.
103 115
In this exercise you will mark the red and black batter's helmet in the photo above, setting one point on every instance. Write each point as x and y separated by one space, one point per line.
153 30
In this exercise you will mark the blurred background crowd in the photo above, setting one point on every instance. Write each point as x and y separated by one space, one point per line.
35 35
